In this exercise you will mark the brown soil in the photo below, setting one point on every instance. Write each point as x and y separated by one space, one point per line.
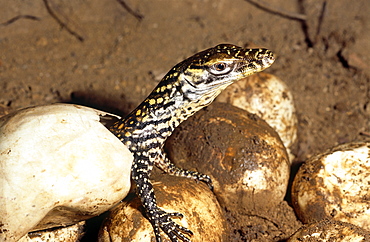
101 55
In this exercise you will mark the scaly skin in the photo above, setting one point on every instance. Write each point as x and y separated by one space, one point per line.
189 86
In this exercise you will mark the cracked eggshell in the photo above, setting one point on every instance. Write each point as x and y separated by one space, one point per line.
244 156
330 230
335 185
270 98
201 210
58 165
71 233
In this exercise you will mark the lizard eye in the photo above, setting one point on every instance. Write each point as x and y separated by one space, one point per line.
220 68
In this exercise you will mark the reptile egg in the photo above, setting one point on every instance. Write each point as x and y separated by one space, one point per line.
268 97
71 233
202 213
59 165
335 185
330 230
244 156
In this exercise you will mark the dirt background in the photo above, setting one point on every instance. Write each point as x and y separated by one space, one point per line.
102 54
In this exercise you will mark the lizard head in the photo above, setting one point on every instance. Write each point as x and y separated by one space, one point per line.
195 82
204 75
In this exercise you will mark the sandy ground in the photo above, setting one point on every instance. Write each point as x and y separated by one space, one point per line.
103 56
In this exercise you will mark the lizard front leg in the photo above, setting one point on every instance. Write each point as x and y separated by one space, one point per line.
157 217
163 163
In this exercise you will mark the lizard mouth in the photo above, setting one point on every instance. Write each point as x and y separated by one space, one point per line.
268 59
259 59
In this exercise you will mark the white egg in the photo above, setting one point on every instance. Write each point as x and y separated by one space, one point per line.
270 98
335 185
70 233
58 165
329 230
244 156
201 210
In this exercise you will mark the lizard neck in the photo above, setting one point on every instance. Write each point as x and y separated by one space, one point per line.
173 101
153 121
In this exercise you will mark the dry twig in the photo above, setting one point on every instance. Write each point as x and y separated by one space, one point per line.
364 133
321 20
16 18
137 15
60 22
275 10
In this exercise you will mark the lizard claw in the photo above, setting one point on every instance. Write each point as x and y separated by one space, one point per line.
206 179
173 230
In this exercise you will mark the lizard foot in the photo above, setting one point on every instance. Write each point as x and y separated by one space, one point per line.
174 231
201 177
